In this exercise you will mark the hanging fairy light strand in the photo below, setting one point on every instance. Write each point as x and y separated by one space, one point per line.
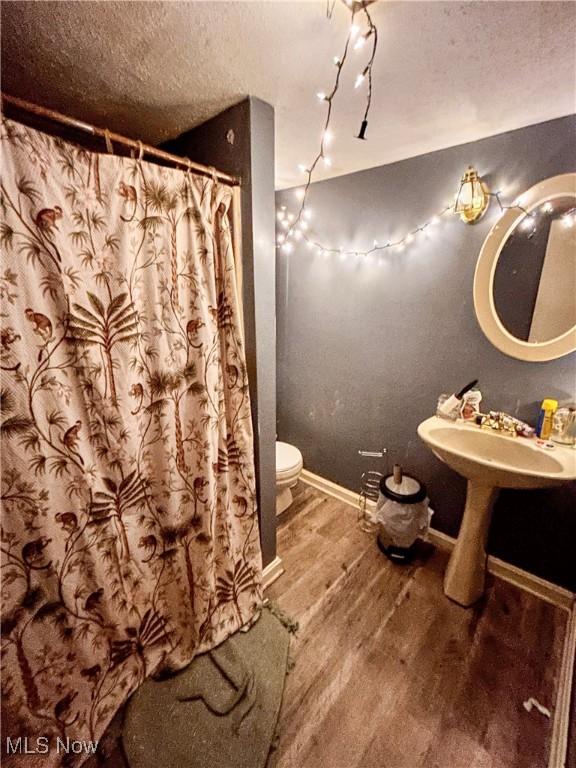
321 248
326 136
300 233
529 222
372 32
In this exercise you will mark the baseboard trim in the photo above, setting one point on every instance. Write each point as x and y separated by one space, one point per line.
332 489
561 723
541 588
545 590
271 572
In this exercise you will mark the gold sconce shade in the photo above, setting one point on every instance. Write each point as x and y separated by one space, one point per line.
473 198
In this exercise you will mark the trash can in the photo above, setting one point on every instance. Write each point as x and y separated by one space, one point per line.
402 513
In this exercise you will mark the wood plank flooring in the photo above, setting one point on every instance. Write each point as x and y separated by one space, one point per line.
388 672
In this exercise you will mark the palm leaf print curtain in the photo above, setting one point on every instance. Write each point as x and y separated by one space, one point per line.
129 533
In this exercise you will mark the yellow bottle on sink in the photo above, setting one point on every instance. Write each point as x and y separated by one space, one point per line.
547 410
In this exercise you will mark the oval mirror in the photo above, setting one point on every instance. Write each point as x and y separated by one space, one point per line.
525 280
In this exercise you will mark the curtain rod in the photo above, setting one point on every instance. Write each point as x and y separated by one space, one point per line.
51 114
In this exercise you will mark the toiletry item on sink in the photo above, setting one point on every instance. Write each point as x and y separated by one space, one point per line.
545 419
454 413
546 444
503 422
564 426
453 403
470 404
521 427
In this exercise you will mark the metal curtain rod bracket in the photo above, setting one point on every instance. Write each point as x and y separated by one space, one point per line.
147 149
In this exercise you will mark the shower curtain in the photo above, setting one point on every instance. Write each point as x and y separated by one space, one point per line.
129 531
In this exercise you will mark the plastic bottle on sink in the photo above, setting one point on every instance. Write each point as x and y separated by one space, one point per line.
545 419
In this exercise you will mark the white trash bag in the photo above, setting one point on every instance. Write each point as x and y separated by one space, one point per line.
404 523
402 513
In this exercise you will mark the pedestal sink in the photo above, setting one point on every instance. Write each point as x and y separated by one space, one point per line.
489 461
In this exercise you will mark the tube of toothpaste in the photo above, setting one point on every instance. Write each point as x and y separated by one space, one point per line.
511 422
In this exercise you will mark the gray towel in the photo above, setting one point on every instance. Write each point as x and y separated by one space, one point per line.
219 712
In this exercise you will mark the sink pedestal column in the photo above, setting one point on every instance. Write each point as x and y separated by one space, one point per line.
464 577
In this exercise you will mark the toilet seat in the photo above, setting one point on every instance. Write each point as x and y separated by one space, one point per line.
289 464
288 461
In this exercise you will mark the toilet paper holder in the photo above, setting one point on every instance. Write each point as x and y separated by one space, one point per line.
369 489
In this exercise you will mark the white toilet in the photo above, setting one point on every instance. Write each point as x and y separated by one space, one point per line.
288 467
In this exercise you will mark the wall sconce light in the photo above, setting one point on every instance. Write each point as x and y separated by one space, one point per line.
473 198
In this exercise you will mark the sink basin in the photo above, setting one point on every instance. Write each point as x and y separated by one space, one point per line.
500 460
488 461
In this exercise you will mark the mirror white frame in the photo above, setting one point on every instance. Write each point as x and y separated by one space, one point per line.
543 192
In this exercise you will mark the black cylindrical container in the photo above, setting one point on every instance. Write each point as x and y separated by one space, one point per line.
409 494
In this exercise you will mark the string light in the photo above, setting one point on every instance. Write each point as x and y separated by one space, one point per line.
426 229
372 31
321 249
528 222
328 98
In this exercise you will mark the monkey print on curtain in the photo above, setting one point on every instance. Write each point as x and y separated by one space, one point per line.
129 531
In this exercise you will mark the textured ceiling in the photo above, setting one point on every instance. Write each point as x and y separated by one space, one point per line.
445 73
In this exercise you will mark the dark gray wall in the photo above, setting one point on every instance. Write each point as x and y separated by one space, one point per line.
366 347
240 141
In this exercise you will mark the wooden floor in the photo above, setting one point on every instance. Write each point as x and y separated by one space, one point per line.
389 673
